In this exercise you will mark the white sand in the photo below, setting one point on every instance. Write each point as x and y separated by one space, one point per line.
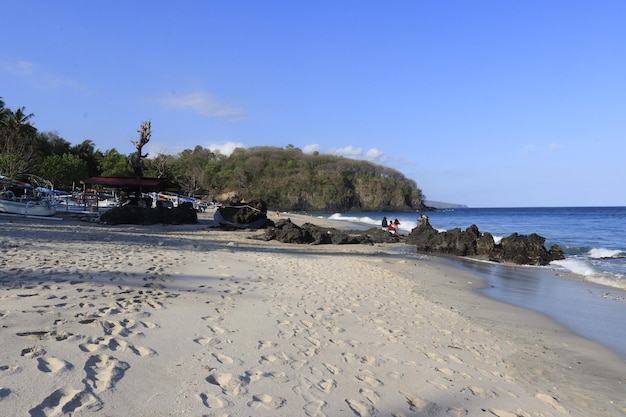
187 320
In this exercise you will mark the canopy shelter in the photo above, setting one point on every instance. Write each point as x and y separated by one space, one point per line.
132 188
132 183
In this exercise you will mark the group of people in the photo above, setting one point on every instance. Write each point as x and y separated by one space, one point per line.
391 226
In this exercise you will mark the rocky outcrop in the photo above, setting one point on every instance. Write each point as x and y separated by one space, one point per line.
518 249
287 232
132 214
238 215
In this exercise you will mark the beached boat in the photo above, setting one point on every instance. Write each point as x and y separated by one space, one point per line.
22 198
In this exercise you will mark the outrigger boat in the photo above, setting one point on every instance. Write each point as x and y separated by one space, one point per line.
22 198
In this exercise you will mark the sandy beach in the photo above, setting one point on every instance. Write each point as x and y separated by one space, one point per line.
189 320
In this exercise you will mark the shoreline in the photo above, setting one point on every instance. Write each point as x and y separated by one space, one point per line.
574 295
172 320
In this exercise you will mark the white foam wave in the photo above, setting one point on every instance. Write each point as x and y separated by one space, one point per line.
601 253
404 225
609 281
365 219
576 266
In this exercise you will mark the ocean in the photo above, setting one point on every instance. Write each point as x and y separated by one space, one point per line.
593 240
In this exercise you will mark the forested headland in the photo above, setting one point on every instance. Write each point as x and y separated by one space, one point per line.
285 178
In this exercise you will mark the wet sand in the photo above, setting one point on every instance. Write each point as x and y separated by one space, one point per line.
188 320
590 310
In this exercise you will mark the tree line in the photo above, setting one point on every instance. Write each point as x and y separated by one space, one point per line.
286 178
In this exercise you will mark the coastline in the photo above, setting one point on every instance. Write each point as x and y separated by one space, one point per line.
170 320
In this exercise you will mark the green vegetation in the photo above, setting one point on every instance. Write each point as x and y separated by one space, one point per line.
285 178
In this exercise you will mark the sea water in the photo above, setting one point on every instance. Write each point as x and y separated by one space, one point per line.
593 240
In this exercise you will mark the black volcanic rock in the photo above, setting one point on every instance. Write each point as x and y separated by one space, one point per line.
286 231
518 249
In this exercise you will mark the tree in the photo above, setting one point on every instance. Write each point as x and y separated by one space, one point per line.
17 135
87 152
114 164
161 166
63 170
191 171
144 137
54 144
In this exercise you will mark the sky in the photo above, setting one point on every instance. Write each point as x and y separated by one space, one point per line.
485 103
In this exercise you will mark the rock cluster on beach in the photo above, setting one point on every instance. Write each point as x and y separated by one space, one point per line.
517 249
287 232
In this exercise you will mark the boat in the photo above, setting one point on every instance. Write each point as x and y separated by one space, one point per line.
25 199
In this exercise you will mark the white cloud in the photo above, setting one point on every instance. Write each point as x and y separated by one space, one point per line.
225 148
553 147
374 154
40 79
202 103
309 149
347 151
19 68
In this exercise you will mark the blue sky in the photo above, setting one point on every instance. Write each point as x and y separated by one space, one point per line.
484 103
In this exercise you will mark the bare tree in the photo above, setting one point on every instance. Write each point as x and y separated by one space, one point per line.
144 137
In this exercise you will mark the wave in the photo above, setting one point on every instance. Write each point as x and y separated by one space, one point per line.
364 219
601 253
406 226
576 266
590 274
609 281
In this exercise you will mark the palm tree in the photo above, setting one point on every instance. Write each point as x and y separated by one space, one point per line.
17 137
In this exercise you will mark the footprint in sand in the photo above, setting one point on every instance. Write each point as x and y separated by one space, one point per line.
33 352
227 382
50 364
326 385
100 343
552 401
369 380
4 392
217 329
103 372
64 401
371 396
479 392
332 368
266 401
415 403
119 328
142 351
314 407
223 359
361 409
202 340
264 344
211 401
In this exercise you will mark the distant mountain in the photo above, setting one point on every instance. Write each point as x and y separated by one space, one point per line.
440 205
